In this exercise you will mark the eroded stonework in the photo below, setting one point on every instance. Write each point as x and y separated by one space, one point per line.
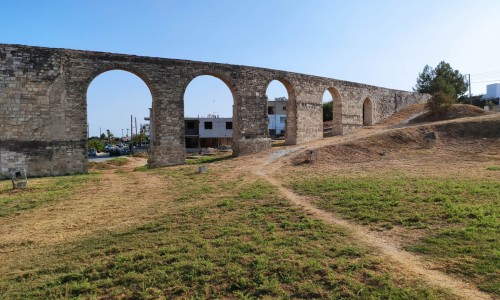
43 108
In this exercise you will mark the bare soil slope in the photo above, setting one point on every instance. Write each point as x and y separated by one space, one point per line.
468 136
457 111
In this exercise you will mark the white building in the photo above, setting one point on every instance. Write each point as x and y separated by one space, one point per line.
276 113
147 129
211 131
492 91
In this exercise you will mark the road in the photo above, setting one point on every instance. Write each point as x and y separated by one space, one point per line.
101 157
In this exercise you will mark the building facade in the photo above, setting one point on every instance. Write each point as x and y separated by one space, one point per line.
276 113
211 131
492 91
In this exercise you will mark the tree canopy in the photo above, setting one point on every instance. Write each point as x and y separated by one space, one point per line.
328 111
441 79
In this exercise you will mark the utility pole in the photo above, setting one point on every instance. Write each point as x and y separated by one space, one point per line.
131 132
470 94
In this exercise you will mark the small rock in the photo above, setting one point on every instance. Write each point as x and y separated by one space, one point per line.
431 135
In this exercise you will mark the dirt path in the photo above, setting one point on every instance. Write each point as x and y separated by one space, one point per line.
409 262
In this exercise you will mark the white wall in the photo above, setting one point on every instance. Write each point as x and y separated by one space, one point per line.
218 128
275 122
492 91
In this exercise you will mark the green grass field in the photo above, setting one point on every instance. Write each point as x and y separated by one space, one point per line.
225 238
458 219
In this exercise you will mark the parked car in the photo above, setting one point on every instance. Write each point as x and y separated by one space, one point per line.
115 151
126 151
92 152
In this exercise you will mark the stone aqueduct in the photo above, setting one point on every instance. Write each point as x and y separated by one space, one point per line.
43 119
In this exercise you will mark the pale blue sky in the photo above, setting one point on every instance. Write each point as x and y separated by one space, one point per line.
384 43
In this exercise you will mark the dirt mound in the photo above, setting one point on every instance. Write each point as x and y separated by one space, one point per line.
472 135
472 129
371 148
405 114
457 111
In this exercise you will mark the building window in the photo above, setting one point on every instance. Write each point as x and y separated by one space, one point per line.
208 125
229 125
284 108
270 110
282 120
190 125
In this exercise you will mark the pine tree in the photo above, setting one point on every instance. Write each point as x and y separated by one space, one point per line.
433 80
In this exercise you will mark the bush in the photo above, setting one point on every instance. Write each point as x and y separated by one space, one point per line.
440 103
96 144
489 103
328 111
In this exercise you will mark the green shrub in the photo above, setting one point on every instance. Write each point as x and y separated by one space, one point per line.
440 103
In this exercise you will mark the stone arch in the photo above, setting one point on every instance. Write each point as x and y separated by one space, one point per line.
291 111
367 112
118 67
337 109
137 73
223 78
229 85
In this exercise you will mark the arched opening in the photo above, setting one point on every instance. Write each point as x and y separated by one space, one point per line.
281 110
118 113
367 112
332 112
208 114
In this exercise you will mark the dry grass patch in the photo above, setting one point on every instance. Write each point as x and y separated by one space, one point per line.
457 111
40 192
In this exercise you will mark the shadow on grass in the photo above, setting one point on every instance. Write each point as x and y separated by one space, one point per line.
209 159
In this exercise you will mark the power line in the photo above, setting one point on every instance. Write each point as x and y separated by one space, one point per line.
485 73
486 77
495 80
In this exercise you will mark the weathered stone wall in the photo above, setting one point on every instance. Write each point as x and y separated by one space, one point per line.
43 119
34 131
385 102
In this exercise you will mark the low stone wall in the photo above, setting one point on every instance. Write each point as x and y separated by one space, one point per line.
43 158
